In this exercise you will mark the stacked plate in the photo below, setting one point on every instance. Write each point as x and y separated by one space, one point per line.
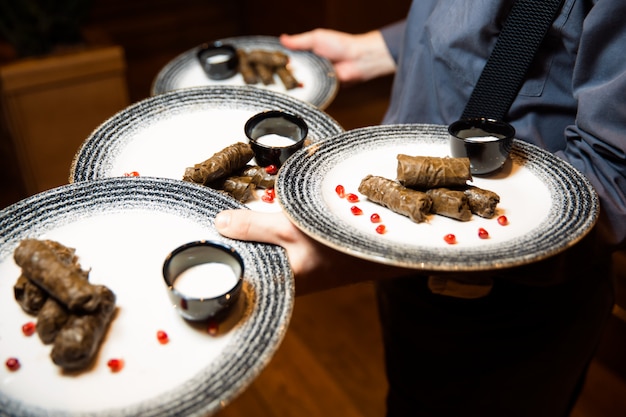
122 230
319 84
548 205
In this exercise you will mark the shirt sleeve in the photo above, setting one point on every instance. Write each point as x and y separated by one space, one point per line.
596 143
393 35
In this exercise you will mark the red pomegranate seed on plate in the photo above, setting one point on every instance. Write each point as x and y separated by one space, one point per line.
502 220
29 328
381 229
271 169
450 239
162 337
353 198
269 195
340 190
482 233
115 365
356 210
375 218
12 364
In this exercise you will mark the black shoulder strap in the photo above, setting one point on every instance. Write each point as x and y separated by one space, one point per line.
517 45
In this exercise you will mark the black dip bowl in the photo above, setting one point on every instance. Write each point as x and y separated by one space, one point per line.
218 60
274 136
204 279
486 142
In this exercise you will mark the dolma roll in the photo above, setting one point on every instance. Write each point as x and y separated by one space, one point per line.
268 58
482 202
265 73
450 203
222 164
424 172
411 203
50 320
245 68
240 188
66 283
286 77
259 176
75 346
28 295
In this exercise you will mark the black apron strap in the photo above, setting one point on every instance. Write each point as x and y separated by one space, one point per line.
505 70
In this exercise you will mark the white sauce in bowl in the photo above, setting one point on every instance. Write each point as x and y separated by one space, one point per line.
275 140
207 280
218 59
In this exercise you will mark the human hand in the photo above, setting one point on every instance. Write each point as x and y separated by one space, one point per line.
315 266
355 58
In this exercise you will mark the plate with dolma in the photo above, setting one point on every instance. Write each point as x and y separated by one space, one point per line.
544 207
163 135
315 76
121 230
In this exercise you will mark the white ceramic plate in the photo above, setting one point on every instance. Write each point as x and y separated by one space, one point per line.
122 228
162 135
549 205
319 82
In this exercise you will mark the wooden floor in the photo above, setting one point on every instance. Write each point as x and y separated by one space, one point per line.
330 361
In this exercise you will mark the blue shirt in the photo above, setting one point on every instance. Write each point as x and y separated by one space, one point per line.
573 102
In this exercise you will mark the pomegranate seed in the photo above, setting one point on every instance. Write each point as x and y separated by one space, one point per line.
356 211
503 221
271 169
482 233
381 229
375 218
341 191
162 337
353 198
213 327
28 328
450 239
131 174
12 364
269 195
115 365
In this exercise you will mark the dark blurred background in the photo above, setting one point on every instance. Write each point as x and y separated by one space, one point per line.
330 363
37 143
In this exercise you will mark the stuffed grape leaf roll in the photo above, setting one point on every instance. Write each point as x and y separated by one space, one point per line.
450 203
28 295
245 68
50 320
77 343
414 204
268 58
424 172
240 188
287 78
66 283
482 202
259 176
222 164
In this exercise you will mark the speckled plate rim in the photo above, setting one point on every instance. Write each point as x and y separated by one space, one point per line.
95 156
321 96
573 212
267 270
